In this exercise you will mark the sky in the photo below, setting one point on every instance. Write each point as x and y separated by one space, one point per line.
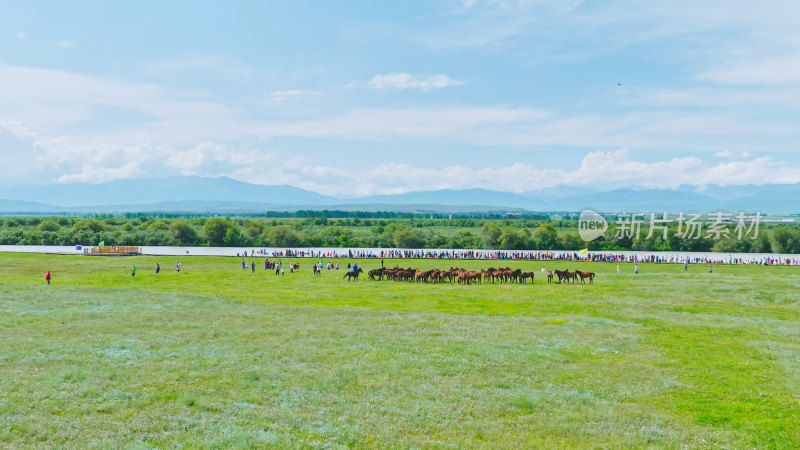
355 98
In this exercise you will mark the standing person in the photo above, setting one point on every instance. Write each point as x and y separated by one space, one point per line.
253 266
710 270
47 277
686 265
617 268
158 267
133 272
178 267
636 268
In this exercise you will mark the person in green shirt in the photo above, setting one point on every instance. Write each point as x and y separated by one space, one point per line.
133 272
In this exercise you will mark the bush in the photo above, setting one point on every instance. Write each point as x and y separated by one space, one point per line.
545 237
786 240
183 233
513 238
215 230
405 237
90 225
49 225
281 236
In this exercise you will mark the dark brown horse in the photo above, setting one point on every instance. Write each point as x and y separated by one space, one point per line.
571 276
353 275
376 273
525 275
562 275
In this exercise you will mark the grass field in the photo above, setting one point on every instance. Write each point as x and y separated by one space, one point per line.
216 356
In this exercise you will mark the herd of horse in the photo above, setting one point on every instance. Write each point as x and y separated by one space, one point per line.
567 276
463 276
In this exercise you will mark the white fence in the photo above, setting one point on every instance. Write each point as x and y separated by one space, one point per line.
331 252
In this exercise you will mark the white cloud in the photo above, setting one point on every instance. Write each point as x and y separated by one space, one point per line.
97 161
51 99
217 158
760 170
287 95
406 81
721 41
727 154
18 130
708 124
44 113
21 35
93 174
718 97
602 170
464 124
782 69
219 65
65 43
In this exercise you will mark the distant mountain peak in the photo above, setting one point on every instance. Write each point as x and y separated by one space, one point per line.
228 194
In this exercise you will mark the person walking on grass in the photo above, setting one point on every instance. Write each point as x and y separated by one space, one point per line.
253 266
178 267
133 272
636 268
47 277
158 267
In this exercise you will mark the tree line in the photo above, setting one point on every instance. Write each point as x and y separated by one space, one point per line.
519 233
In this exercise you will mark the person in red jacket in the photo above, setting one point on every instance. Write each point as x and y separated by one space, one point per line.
47 277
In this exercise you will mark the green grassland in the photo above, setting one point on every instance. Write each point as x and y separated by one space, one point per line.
216 356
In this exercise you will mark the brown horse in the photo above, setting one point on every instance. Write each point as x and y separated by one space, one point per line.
376 273
467 277
352 275
589 275
549 276
489 274
562 275
571 276
525 275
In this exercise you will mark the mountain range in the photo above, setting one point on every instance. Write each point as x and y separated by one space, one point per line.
190 194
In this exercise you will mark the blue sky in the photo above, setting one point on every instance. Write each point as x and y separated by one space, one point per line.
356 98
